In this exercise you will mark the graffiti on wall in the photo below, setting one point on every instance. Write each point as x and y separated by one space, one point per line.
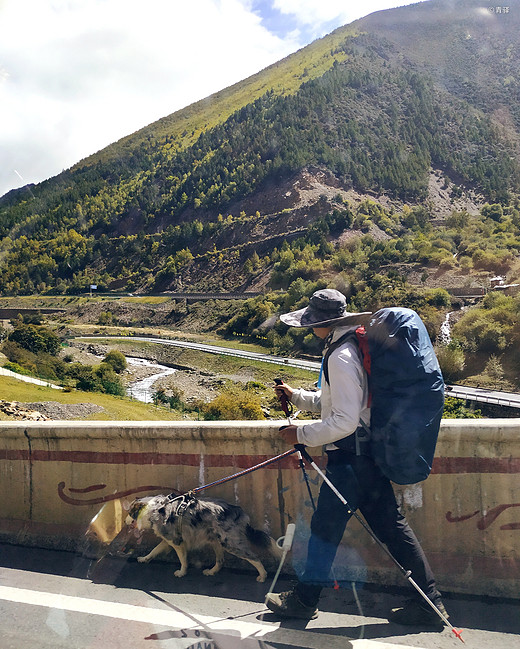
486 518
116 495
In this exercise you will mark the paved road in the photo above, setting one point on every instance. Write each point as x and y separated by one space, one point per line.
215 349
49 601
482 395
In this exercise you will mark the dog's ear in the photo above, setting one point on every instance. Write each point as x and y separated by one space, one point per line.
135 508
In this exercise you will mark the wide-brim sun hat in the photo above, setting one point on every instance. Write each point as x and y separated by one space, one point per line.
327 308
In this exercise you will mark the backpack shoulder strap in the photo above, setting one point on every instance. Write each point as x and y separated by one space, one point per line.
351 335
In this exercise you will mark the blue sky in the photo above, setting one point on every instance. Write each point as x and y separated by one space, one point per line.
77 75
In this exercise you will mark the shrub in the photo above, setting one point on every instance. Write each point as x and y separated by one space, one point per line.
106 318
490 330
116 359
455 409
84 376
452 361
14 367
101 378
41 364
109 380
176 400
234 404
438 297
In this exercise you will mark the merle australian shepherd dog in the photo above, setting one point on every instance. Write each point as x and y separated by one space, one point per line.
186 523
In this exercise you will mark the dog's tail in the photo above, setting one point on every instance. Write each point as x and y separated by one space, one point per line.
262 540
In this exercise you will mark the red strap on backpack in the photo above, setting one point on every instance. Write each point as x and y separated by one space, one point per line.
361 337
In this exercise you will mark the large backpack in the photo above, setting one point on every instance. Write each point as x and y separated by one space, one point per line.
406 392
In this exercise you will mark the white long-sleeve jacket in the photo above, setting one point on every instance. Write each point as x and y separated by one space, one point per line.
342 401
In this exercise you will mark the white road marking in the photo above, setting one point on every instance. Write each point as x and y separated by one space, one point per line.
192 621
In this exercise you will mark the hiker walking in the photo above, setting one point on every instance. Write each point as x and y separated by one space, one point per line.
345 417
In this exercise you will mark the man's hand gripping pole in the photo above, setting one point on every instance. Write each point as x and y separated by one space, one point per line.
284 402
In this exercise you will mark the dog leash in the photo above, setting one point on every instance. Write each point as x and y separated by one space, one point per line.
261 465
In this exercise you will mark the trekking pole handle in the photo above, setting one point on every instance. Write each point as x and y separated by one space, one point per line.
285 542
301 449
284 401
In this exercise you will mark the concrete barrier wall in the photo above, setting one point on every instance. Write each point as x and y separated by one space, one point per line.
55 476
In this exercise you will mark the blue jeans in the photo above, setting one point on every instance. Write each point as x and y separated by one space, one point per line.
364 487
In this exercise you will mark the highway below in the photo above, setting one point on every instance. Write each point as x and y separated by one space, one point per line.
482 395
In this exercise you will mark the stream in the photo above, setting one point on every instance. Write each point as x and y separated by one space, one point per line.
445 332
142 389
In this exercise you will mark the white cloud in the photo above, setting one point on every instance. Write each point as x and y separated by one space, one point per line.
320 13
309 12
77 75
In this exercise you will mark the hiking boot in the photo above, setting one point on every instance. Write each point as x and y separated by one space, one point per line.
416 613
288 604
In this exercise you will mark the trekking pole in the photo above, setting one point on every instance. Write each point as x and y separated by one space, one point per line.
406 573
288 409
286 546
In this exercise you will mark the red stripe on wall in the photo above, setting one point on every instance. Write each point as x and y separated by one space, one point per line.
441 465
444 465
174 459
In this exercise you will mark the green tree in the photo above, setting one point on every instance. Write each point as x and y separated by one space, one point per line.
494 211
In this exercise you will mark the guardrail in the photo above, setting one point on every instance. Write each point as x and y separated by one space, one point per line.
492 396
212 296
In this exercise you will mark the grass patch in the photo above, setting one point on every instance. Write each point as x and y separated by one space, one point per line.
150 299
115 408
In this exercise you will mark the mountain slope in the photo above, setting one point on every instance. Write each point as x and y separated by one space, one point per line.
470 48
392 107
